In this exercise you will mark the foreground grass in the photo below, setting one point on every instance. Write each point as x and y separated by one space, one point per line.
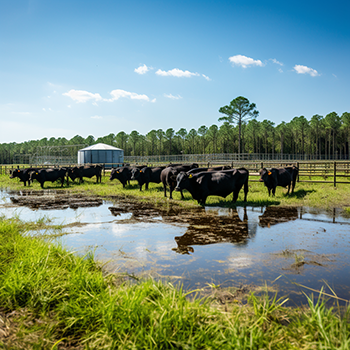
53 299
318 195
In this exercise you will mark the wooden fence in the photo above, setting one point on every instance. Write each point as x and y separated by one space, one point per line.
335 172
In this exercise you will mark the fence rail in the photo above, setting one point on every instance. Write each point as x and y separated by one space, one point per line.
336 172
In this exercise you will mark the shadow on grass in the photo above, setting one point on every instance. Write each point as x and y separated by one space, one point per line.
299 194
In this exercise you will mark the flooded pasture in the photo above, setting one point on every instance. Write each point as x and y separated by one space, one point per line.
244 247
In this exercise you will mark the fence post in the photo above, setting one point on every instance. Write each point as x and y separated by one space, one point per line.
335 174
298 171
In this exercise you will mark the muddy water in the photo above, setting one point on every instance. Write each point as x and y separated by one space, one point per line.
284 248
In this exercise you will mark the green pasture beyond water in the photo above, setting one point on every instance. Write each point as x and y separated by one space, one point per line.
53 299
319 195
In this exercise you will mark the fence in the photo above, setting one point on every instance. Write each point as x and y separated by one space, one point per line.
228 157
335 172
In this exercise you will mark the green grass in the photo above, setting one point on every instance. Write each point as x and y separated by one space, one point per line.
319 195
53 299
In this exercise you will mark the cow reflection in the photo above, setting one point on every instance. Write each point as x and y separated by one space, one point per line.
277 215
210 229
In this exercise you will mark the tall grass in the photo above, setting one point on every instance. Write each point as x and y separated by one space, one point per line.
65 301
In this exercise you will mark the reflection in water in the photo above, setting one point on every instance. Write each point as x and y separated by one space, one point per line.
212 229
277 215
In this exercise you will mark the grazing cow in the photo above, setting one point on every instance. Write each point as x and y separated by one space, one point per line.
23 175
123 174
214 183
146 175
89 171
285 177
168 177
52 175
217 168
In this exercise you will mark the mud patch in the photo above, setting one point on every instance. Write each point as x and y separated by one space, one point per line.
49 201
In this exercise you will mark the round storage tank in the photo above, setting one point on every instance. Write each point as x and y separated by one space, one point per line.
101 154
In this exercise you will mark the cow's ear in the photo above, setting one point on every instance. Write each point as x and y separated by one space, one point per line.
117 171
269 173
140 171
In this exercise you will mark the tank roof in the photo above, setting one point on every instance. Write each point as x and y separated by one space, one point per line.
101 146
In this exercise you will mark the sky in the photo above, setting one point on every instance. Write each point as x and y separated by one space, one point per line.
98 67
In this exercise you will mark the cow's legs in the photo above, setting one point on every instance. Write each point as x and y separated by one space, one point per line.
288 189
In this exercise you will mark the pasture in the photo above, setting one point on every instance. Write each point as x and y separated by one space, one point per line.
92 304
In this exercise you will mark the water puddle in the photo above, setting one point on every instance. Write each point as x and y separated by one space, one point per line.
286 248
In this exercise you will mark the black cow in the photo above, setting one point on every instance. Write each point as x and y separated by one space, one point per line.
146 175
23 175
123 174
52 175
89 171
285 177
168 177
214 183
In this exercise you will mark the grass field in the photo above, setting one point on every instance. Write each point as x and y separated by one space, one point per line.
319 195
53 299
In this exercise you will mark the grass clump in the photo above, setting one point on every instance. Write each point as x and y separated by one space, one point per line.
53 299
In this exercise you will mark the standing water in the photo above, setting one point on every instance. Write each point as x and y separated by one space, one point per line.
289 249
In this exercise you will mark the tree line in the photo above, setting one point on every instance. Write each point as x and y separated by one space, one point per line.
322 136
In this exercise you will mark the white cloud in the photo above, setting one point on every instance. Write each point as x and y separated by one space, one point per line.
178 97
244 61
142 69
96 117
82 96
176 73
117 94
276 62
305 70
205 77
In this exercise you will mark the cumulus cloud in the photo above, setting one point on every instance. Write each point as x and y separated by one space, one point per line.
178 97
142 69
176 73
117 94
305 70
96 117
244 61
82 96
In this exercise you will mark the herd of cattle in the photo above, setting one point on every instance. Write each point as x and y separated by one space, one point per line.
200 182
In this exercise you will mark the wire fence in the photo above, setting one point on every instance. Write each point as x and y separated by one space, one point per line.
316 171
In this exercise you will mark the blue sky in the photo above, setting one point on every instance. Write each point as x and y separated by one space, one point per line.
97 67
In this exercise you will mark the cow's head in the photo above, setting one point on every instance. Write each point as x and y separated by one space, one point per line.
15 173
135 173
264 175
34 175
182 181
114 174
73 173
